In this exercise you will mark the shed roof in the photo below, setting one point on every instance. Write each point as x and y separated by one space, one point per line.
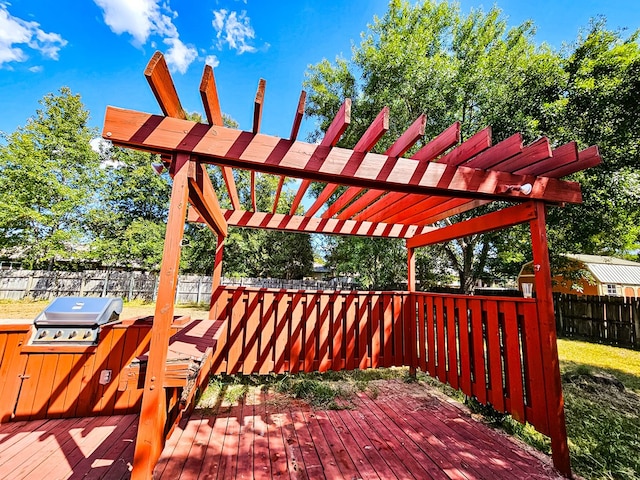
610 269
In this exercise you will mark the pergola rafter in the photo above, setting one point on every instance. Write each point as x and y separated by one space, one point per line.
386 195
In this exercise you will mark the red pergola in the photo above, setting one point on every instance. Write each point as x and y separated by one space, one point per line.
387 195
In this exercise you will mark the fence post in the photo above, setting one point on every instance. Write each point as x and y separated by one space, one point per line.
106 283
130 293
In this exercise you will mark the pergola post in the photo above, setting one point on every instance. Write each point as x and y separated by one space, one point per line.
410 310
217 274
153 414
547 320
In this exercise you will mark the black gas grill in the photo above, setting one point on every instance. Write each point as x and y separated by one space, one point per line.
74 320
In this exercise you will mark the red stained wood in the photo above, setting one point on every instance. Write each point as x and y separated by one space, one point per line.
159 78
436 147
469 148
494 356
297 119
269 154
498 153
203 196
209 95
479 386
465 352
277 194
150 437
297 223
560 156
548 342
587 158
513 361
409 138
531 154
258 105
492 221
452 343
362 202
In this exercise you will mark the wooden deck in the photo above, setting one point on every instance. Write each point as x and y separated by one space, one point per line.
403 431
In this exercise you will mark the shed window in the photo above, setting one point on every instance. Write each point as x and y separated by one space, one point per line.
612 289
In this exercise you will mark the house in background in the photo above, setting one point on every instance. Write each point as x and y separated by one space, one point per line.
589 275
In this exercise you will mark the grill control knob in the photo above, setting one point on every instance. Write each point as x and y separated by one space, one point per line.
73 334
43 334
87 334
58 334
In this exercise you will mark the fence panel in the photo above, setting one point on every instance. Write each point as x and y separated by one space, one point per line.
307 330
487 347
610 320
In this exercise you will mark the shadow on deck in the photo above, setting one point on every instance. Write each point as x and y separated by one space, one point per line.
395 430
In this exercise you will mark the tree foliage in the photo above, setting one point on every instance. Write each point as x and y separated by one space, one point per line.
431 58
48 180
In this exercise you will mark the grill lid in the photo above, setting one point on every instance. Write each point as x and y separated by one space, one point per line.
80 311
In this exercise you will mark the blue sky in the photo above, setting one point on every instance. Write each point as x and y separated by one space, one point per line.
99 48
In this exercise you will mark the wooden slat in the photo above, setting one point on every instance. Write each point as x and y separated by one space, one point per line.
478 347
494 355
361 203
560 157
161 83
314 162
258 105
297 119
513 361
339 124
368 140
150 437
587 158
209 95
408 138
498 153
469 148
298 223
465 352
436 147
452 345
203 196
491 221
531 154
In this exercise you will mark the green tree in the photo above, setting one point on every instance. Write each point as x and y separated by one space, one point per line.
49 178
430 58
129 223
251 252
600 107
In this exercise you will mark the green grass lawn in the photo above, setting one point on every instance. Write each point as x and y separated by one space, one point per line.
603 421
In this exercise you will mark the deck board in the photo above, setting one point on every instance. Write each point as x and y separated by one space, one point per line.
404 431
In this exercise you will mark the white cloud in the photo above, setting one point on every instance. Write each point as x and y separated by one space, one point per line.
179 56
139 18
144 18
15 32
212 60
36 69
234 29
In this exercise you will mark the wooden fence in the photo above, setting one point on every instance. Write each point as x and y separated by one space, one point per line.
304 331
610 320
487 347
42 284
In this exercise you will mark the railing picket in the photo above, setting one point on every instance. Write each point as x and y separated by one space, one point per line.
494 354
350 330
376 305
465 353
386 332
267 333
452 343
422 332
441 340
364 310
513 361
325 333
479 370
296 338
431 339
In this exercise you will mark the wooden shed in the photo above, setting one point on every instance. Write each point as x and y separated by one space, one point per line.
598 275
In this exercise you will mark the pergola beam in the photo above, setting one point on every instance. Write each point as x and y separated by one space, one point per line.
270 154
330 226
159 78
507 217
339 124
371 136
211 104
203 196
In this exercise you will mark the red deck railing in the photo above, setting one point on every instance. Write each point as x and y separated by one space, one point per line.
487 347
